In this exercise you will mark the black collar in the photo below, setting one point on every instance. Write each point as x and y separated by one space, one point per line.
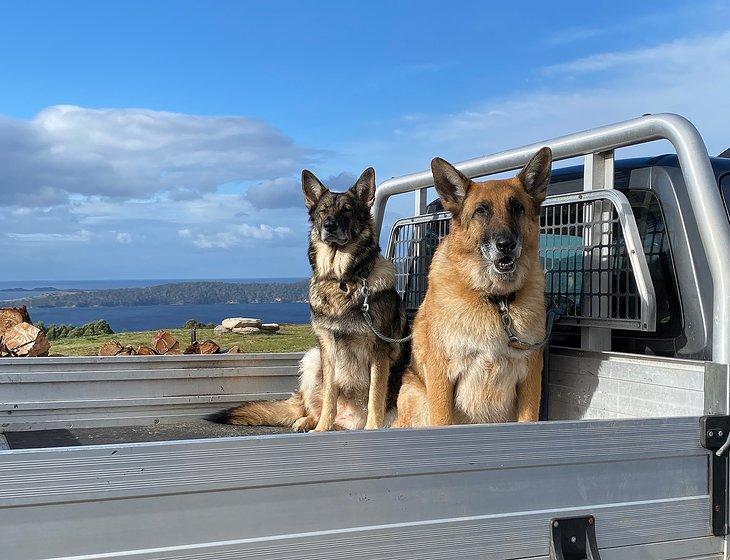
495 299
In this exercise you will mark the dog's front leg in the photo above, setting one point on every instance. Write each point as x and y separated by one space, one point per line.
330 391
379 371
439 391
529 391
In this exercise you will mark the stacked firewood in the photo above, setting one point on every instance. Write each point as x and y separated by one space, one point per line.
18 336
163 344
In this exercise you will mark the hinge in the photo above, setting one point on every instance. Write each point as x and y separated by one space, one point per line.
714 433
573 538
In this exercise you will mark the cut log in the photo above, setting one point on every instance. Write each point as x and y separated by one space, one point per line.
111 348
234 350
165 343
144 350
11 316
209 347
127 351
26 340
206 347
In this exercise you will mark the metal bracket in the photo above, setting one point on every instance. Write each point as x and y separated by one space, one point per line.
714 432
574 538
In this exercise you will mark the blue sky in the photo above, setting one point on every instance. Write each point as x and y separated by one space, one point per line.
165 139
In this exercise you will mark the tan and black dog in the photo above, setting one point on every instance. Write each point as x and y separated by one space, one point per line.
464 369
353 377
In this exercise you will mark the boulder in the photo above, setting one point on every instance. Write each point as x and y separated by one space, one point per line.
270 327
220 329
234 350
236 322
246 330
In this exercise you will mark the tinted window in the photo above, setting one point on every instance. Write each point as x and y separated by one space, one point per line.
725 189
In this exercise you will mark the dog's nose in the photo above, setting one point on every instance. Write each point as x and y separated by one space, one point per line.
505 244
330 225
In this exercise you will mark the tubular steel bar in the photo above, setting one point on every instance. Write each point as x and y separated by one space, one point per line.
698 177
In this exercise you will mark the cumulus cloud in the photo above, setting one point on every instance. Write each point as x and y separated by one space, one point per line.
287 192
135 153
123 237
242 234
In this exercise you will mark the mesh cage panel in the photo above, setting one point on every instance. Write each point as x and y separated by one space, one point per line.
582 249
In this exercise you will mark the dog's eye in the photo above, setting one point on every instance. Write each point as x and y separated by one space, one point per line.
481 209
347 210
516 207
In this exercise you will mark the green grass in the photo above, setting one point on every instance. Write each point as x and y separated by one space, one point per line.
291 338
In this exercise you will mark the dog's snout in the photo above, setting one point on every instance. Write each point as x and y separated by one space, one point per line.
505 244
330 225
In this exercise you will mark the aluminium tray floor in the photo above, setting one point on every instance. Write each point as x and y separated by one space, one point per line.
193 429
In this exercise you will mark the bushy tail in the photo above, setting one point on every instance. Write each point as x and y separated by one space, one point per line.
263 413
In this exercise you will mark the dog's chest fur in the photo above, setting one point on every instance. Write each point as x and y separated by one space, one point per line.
484 369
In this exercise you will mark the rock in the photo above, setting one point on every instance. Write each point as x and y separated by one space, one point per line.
220 329
26 340
146 351
246 330
165 343
236 322
111 348
235 350
270 327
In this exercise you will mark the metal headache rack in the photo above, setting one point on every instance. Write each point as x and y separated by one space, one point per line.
590 248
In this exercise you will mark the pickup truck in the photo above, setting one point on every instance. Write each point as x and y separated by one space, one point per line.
110 457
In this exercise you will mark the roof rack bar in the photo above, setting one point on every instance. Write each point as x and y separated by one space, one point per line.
696 169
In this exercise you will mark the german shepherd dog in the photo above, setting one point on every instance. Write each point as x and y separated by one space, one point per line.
464 367
353 377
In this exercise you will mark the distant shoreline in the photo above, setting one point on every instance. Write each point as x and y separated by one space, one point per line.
176 293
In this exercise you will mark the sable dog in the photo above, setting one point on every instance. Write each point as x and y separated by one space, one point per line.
354 376
465 369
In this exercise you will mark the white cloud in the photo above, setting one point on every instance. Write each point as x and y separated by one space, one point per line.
239 235
690 77
682 53
287 192
77 236
135 153
124 237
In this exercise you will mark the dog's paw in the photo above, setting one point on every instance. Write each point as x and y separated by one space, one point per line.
304 424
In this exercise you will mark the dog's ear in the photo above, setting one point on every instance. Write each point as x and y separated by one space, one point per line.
313 189
535 176
451 184
364 187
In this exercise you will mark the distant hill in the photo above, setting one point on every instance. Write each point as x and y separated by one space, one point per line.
178 293
44 289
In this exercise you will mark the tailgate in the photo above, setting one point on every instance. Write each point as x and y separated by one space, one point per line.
459 492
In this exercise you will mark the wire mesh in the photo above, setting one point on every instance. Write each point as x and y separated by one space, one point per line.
582 249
